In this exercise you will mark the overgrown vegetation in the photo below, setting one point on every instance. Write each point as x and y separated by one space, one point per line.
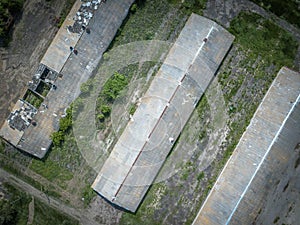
14 209
111 90
263 38
33 99
9 162
52 171
65 124
55 170
266 48
2 146
146 212
88 194
43 214
43 89
288 10
9 10
14 206
145 21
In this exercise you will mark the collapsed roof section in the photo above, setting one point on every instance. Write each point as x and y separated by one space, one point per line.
162 113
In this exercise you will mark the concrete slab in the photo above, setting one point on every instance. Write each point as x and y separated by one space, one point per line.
165 108
59 51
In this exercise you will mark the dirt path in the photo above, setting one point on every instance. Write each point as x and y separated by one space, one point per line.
72 198
30 211
82 215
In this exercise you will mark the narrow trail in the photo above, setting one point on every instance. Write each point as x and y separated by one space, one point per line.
31 211
81 215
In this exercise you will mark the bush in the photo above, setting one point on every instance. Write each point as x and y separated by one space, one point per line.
133 8
66 122
105 109
132 109
114 86
101 117
57 137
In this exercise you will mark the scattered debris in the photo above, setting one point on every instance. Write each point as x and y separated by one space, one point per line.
84 15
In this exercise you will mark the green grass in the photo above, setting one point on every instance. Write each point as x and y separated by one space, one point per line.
187 169
88 194
145 213
265 43
65 125
9 167
144 23
51 171
203 111
43 214
263 37
200 176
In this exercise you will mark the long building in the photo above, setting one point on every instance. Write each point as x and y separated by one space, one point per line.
70 60
162 113
256 170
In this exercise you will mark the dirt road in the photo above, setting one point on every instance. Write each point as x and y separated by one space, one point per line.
82 215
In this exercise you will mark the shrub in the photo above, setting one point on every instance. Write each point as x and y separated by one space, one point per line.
105 109
114 86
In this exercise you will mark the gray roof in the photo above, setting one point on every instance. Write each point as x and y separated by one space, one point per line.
75 69
162 113
271 136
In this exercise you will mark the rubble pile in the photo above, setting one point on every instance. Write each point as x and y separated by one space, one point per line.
22 118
